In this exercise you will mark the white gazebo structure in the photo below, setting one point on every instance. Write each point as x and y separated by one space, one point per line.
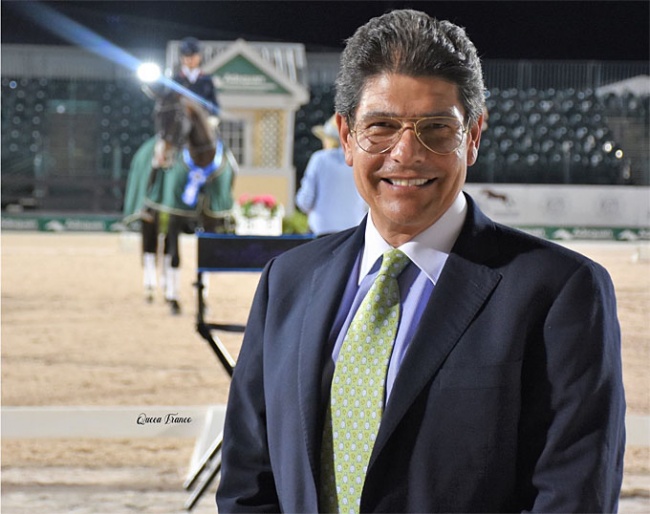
260 87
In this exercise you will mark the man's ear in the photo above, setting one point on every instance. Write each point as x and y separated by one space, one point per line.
346 137
474 140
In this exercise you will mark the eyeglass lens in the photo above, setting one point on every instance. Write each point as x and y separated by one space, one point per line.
440 135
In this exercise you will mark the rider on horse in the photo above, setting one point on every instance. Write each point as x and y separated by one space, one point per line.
191 76
170 171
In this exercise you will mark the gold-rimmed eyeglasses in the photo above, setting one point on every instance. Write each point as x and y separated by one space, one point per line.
441 135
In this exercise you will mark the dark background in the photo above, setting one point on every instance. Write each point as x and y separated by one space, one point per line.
591 30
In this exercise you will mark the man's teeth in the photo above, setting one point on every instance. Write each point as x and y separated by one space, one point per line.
410 182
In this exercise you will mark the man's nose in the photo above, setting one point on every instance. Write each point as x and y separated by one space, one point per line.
408 146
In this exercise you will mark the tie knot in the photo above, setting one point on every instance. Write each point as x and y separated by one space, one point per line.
393 262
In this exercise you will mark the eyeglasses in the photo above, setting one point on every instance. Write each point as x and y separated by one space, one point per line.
441 135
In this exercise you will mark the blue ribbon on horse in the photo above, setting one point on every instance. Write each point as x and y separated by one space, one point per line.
197 176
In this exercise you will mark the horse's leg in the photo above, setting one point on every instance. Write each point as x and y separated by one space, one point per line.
172 262
149 232
205 224
165 258
167 263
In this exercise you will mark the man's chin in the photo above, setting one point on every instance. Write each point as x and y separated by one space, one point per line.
406 219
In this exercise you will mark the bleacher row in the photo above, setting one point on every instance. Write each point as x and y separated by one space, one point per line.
533 136
547 137
120 119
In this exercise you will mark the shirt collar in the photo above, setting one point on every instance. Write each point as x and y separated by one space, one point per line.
191 74
428 250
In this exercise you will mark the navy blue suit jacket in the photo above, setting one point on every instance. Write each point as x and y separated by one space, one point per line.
509 399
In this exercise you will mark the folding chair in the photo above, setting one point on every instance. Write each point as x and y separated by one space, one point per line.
226 253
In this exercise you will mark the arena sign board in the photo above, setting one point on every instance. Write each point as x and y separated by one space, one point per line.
619 213
240 76
568 211
67 223
589 233
241 72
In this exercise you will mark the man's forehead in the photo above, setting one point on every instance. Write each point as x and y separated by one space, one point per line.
407 96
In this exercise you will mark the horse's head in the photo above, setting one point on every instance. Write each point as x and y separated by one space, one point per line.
172 127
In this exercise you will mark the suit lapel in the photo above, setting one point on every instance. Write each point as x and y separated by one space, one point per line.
462 290
464 286
327 285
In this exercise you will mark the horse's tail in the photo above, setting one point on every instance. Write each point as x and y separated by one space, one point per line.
234 166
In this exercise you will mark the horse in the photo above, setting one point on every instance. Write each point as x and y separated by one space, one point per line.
180 180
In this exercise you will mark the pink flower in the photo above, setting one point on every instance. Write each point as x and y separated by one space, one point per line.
267 200
248 204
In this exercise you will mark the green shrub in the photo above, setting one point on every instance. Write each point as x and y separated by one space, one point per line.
296 223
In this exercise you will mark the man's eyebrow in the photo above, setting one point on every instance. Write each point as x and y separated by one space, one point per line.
449 113
378 114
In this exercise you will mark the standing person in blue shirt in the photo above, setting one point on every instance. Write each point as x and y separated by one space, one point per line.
327 192
192 77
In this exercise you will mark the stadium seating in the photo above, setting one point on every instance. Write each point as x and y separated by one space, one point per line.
548 136
533 136
105 124
122 112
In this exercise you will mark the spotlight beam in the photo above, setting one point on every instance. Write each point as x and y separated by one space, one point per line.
75 33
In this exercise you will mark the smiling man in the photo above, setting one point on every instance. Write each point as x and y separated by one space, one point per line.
429 360
410 147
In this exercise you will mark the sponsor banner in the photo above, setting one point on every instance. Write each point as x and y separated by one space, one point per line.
240 76
589 233
522 205
53 223
114 224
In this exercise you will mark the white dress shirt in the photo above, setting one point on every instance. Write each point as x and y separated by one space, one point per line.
428 252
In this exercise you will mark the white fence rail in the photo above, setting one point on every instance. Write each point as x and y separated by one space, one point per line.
202 423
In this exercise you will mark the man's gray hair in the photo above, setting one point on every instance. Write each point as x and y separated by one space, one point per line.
410 43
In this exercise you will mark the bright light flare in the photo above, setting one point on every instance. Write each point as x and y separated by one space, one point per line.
148 72
77 34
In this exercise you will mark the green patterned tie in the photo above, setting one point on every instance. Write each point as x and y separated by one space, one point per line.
357 393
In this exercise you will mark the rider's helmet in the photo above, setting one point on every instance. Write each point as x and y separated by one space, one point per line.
189 46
